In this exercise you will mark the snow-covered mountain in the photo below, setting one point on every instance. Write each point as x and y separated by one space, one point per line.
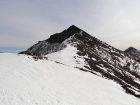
97 57
70 68
133 51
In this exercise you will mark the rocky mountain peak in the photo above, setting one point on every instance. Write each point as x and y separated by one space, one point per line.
99 58
131 48
54 43
133 51
60 37
73 27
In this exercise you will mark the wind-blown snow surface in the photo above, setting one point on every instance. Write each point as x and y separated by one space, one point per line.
24 81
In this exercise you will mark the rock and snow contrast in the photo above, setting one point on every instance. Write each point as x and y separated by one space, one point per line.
70 68
133 51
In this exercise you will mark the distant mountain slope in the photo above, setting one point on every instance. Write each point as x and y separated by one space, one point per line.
133 51
91 55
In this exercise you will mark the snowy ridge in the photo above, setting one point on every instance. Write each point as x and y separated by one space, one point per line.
89 54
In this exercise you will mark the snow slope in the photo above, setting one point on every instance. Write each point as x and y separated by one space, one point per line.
67 56
24 81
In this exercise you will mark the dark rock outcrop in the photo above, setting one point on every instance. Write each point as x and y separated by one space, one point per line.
133 51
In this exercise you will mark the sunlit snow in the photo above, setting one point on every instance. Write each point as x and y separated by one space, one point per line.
24 81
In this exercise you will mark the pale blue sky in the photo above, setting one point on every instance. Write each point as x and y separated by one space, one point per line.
25 22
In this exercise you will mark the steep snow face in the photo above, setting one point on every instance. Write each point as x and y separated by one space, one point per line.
24 81
68 56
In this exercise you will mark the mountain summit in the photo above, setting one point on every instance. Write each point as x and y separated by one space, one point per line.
133 51
60 37
91 55
54 43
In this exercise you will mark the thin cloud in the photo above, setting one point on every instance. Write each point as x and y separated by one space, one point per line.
113 21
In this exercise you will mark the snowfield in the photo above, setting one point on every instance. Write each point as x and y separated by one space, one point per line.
66 56
24 81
